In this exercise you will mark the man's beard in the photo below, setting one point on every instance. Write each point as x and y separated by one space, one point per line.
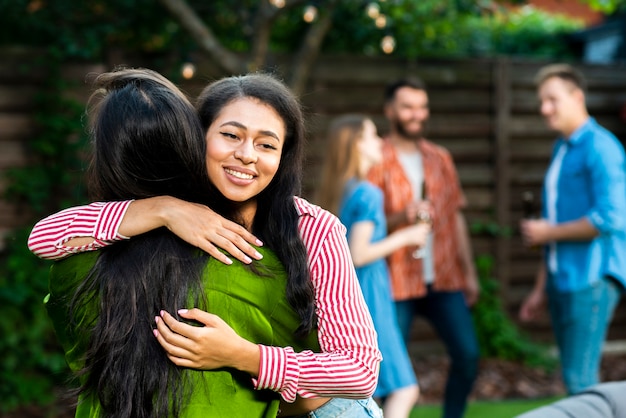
413 136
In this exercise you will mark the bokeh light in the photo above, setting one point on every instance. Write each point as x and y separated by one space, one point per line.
310 14
388 44
278 3
381 21
188 70
373 10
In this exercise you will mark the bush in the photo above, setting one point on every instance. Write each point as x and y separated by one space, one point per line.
31 361
498 336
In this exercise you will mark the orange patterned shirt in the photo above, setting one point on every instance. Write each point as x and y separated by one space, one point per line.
446 196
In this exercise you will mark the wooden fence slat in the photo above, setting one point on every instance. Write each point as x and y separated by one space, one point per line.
16 126
484 111
502 93
12 154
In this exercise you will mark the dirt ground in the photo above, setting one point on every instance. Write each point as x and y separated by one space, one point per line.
497 380
500 379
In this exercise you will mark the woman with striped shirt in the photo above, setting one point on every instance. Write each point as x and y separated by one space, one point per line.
254 134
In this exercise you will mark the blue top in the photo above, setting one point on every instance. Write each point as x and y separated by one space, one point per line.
591 183
363 202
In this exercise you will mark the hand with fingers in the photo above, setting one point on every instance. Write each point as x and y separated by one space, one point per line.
200 226
211 346
535 231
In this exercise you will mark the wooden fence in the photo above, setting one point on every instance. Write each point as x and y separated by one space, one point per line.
484 111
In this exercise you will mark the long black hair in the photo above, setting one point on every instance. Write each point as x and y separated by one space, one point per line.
276 219
146 141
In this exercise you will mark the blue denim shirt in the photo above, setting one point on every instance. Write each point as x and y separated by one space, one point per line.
591 184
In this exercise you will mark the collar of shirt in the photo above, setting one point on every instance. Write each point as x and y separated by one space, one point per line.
576 137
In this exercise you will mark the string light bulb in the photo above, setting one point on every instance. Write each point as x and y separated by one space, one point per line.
388 44
310 14
373 10
381 21
188 70
279 4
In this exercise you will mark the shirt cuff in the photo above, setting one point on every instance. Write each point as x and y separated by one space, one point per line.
597 221
278 371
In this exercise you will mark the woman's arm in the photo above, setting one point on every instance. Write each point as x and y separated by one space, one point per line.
78 229
348 364
364 251
91 227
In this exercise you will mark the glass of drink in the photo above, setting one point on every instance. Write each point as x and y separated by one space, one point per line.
423 216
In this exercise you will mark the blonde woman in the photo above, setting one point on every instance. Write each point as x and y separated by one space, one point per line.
354 147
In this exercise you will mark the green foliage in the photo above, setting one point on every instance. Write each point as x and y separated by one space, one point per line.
31 362
425 28
497 335
526 33
434 28
86 29
607 6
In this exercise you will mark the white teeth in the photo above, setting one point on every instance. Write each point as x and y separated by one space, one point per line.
239 175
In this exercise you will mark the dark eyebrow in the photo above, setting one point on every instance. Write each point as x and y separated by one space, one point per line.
241 126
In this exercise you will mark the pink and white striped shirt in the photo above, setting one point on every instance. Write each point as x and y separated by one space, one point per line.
348 364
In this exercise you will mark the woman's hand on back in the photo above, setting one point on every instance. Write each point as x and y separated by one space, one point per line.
195 223
207 347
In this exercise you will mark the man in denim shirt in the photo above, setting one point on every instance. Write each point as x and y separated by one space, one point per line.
583 229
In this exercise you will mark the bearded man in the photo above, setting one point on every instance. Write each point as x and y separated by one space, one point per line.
582 230
439 283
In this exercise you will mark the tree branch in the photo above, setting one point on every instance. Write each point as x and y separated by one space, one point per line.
310 48
263 30
203 35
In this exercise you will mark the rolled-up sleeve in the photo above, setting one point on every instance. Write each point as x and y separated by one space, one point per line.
608 181
348 363
99 220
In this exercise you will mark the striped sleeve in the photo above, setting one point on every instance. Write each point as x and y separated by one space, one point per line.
348 365
100 221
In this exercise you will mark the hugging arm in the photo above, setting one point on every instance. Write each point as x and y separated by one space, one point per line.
94 226
347 365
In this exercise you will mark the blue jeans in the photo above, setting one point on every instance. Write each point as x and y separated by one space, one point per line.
449 315
580 321
346 408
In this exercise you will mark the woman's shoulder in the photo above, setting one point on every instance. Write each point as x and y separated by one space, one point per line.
369 189
312 213
316 225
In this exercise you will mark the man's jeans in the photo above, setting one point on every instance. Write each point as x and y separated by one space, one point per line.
580 320
451 318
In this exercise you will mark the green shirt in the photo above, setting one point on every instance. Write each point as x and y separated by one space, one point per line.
254 305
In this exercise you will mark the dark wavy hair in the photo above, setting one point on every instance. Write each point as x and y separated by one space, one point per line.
413 82
146 141
276 219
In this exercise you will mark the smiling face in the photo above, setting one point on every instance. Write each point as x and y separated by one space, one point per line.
408 112
244 147
562 105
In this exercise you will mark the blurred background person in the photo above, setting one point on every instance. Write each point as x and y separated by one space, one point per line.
583 229
441 284
353 148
